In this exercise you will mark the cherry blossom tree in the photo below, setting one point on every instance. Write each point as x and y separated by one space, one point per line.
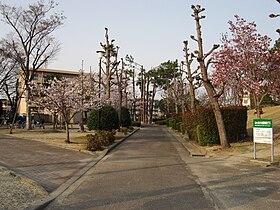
67 97
245 63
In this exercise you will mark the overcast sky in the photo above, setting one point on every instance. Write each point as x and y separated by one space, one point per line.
152 31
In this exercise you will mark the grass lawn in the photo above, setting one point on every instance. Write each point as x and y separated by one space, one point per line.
269 113
246 148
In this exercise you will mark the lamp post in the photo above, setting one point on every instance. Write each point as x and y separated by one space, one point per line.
100 54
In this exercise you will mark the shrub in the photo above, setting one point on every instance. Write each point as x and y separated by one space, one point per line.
174 122
205 138
105 118
130 128
235 119
125 117
100 140
124 130
136 123
161 122
201 125
94 143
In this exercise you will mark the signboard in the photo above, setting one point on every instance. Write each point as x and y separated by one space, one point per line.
262 131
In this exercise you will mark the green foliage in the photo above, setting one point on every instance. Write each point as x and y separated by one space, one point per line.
235 119
166 72
130 128
100 140
205 138
201 125
136 123
174 122
125 117
105 118
160 121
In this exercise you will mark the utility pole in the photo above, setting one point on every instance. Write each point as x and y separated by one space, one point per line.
142 101
81 123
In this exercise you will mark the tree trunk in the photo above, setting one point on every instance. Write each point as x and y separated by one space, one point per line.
28 110
152 103
119 80
67 140
134 95
147 99
206 81
218 116
108 72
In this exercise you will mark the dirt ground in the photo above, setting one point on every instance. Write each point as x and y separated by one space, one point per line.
55 137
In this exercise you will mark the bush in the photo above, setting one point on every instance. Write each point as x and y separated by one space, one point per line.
136 123
125 117
130 128
201 125
235 119
124 130
100 140
108 121
161 122
174 122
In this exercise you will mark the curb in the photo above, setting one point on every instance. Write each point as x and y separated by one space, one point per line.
194 150
62 188
265 163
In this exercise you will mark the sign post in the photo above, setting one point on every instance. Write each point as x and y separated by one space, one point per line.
263 133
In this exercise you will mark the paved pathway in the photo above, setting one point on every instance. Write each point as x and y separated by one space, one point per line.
144 172
47 165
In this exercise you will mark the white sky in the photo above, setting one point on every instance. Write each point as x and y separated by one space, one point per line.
152 31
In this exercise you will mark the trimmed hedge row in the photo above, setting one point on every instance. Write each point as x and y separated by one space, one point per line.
136 123
201 125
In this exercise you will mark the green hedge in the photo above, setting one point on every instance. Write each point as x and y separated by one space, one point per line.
105 118
201 125
136 123
125 117
174 122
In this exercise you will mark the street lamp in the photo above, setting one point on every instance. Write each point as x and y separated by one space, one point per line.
100 54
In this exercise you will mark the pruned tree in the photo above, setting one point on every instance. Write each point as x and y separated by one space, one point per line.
245 63
111 63
31 43
204 63
191 76
275 16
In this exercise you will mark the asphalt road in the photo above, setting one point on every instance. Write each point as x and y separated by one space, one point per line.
147 171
